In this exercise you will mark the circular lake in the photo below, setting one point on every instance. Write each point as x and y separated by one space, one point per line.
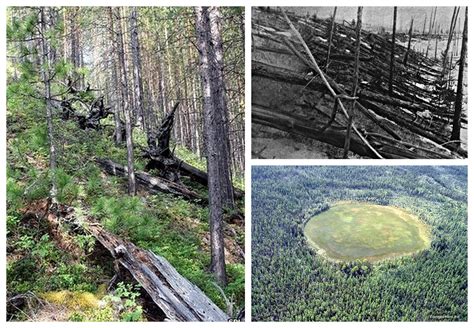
356 231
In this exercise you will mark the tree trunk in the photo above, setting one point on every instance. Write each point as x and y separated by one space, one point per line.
424 25
215 140
456 133
221 108
46 53
347 141
331 33
137 76
126 107
432 23
392 55
450 37
113 58
410 32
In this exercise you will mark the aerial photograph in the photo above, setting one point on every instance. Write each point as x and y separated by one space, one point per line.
125 164
359 243
359 82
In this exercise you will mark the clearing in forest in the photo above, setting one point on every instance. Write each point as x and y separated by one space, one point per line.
351 231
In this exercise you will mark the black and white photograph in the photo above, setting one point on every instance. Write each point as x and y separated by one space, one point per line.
359 82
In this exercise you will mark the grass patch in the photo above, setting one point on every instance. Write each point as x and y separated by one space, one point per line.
356 231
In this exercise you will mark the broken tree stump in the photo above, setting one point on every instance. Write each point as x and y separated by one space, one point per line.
170 167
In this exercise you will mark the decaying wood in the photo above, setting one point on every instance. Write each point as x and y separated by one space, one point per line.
170 167
179 299
151 183
95 109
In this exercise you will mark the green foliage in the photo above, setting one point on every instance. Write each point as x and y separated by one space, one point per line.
236 283
128 294
86 243
68 189
171 227
291 282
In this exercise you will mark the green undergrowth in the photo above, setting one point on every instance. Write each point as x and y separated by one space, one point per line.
170 227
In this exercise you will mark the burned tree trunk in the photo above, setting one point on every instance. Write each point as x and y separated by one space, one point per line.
410 32
331 32
450 37
159 154
392 54
170 167
456 132
355 85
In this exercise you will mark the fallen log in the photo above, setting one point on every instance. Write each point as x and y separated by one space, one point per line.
179 299
300 125
186 170
402 119
151 183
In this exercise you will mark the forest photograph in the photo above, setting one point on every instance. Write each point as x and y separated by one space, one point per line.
359 82
359 243
125 163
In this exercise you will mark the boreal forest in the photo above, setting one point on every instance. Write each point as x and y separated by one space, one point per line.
291 281
125 152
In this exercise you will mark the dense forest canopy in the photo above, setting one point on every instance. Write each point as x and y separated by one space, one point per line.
290 282
125 147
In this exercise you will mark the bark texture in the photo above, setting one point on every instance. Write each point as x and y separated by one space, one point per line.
210 55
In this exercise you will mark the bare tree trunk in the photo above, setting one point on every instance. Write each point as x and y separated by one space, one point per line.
196 120
410 32
221 106
456 133
113 58
214 122
450 37
137 76
331 33
347 141
432 23
126 107
46 51
424 25
392 55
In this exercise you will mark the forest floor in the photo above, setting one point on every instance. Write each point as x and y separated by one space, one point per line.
61 274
